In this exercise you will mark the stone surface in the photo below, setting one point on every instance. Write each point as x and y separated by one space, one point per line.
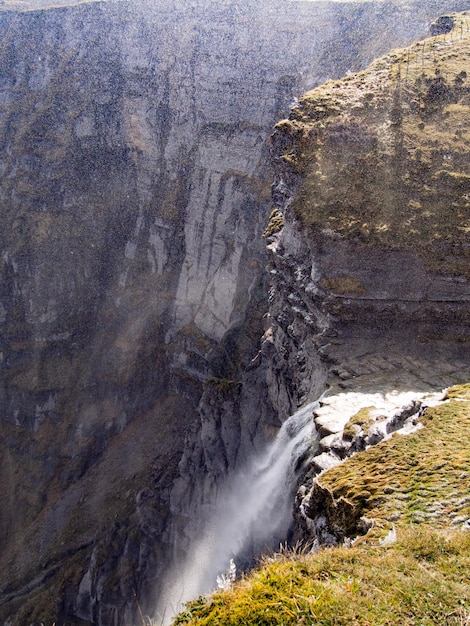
386 275
324 461
135 188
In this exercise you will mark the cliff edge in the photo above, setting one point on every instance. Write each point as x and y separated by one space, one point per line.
134 191
373 192
412 566
370 285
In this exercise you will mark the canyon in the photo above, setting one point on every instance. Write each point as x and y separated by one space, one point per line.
160 320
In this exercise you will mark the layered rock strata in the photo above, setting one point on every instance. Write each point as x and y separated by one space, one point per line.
369 243
134 194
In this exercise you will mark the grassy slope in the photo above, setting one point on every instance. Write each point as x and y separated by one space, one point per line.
422 483
383 154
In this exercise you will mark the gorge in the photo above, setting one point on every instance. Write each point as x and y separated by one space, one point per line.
150 344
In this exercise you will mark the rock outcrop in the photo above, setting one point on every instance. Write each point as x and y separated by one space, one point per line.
371 258
135 188
411 494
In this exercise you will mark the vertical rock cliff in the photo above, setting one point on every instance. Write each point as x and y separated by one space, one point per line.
369 248
135 189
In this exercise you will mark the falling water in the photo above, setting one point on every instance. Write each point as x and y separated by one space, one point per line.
252 515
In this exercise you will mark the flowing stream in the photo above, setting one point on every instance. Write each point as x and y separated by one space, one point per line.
252 516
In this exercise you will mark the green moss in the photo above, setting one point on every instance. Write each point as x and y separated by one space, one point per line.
459 392
422 482
363 419
224 385
413 467
343 285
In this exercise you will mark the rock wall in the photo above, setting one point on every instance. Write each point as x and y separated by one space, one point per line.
135 189
369 249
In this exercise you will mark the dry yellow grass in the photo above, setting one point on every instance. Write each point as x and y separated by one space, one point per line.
418 484
383 154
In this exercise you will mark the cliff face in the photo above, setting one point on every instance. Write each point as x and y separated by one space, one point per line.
370 289
371 255
134 194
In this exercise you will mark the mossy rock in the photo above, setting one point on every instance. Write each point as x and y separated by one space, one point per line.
362 420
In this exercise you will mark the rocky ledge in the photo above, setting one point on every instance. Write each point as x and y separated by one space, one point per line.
370 255
346 424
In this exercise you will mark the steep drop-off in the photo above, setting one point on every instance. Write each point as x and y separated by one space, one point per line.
374 236
370 256
135 188
373 177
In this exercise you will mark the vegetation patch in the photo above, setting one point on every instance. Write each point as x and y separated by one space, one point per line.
224 385
382 155
415 487
362 420
275 224
423 477
343 285
196 338
421 579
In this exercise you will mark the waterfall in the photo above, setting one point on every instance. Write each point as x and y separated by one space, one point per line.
252 515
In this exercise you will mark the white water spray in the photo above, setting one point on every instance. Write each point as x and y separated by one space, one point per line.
252 515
